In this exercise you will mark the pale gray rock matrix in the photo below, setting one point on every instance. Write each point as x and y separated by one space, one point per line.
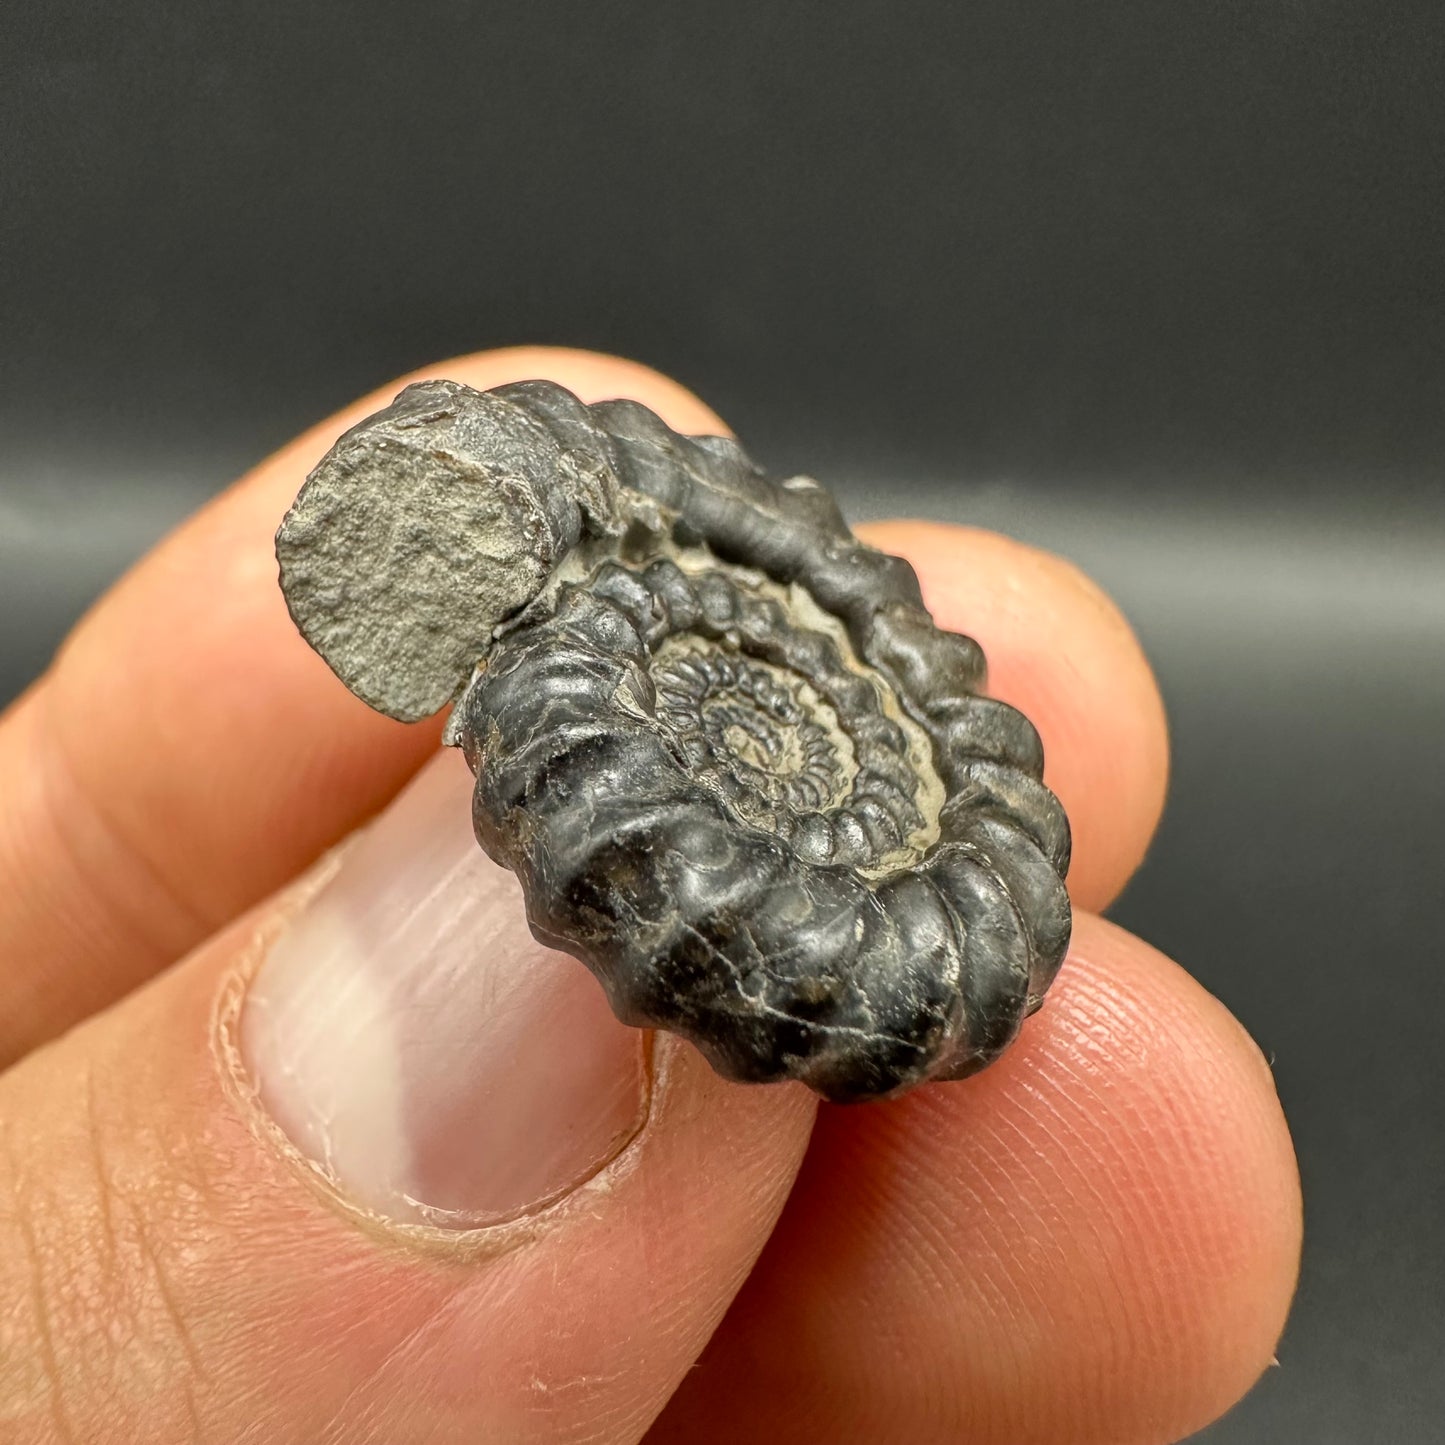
738 770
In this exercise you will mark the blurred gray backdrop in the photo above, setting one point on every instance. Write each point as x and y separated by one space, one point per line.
1158 285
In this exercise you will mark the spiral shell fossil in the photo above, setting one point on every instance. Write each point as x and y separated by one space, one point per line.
738 770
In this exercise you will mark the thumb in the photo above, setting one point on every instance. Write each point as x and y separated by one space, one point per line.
374 1166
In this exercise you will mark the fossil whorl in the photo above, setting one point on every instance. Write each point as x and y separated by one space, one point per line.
740 773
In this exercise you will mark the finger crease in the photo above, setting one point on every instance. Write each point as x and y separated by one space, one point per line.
129 883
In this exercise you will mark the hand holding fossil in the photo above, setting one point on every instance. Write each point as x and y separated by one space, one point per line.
309 1139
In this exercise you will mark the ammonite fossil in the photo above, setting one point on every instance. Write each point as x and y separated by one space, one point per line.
740 773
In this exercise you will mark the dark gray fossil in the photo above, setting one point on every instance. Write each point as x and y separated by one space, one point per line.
740 773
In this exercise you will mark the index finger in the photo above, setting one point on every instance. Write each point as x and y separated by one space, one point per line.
187 753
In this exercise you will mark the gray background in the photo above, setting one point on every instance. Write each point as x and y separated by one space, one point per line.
1158 285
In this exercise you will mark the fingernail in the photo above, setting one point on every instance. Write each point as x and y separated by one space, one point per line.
419 1047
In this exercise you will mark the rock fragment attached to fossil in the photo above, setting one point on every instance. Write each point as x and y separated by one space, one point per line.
740 773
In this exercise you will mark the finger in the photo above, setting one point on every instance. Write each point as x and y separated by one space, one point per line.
1062 652
1094 1241
187 753
408 1182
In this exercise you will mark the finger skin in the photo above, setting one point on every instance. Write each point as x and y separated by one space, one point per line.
168 1273
1060 650
188 753
1096 1240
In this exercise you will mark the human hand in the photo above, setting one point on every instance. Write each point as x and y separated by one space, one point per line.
369 1164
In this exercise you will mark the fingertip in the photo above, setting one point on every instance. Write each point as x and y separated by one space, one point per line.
1177 1123
1061 651
1096 1240
1137 1180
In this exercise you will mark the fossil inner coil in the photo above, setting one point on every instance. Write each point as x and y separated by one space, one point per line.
796 735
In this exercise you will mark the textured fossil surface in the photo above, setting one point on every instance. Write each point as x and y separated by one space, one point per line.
740 773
